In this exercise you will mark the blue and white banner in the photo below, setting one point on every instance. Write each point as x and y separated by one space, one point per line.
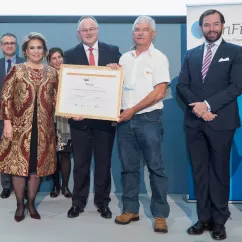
233 34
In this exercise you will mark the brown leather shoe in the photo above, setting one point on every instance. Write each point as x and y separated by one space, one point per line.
160 225
126 218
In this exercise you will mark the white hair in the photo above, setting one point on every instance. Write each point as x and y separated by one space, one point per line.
145 19
86 17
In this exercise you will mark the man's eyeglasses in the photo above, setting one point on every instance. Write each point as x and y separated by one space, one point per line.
145 30
91 30
9 43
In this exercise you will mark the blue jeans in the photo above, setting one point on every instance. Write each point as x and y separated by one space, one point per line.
142 136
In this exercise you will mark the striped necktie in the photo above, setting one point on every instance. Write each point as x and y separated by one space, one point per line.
207 60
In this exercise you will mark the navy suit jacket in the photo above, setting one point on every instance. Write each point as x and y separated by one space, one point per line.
221 87
106 54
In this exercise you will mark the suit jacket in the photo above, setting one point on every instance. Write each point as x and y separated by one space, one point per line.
3 69
221 87
106 54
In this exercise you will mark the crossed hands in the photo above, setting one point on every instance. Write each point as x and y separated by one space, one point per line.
200 110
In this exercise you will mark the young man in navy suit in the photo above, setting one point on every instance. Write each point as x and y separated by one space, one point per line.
91 136
8 44
209 84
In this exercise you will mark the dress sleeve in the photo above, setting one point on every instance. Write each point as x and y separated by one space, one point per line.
8 94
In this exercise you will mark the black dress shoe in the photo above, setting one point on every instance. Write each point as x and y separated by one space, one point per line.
74 212
55 192
105 212
219 232
200 227
5 193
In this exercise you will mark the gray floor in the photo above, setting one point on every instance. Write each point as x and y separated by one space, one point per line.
90 227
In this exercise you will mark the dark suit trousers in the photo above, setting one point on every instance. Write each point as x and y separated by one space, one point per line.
86 142
210 155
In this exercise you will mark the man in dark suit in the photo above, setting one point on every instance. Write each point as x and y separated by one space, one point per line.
88 135
8 44
209 84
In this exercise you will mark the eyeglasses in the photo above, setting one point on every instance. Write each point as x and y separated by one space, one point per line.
9 43
91 30
145 30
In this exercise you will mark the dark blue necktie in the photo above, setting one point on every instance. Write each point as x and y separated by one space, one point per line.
9 65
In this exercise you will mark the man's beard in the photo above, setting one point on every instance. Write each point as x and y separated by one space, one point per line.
212 39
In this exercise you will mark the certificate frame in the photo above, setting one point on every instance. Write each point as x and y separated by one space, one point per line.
103 73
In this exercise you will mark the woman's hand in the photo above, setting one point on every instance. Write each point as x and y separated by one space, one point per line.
8 130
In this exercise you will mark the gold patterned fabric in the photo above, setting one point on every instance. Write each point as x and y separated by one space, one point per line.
22 86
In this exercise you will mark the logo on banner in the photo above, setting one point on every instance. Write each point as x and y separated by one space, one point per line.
196 30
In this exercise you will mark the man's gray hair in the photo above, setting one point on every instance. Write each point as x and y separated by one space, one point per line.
9 35
85 17
145 19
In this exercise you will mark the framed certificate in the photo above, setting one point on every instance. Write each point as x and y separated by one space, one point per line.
90 91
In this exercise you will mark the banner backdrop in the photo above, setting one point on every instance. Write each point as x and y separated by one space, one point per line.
233 34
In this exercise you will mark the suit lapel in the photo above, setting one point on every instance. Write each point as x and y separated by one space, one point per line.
2 72
81 56
199 58
2 67
18 60
217 56
101 56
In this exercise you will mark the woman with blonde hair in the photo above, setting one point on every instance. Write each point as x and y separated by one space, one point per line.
27 148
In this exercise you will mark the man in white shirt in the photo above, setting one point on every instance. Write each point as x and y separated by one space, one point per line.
139 132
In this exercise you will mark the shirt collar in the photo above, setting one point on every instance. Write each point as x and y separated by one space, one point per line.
13 59
216 43
149 50
95 47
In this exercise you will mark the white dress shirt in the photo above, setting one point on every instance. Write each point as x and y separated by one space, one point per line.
95 52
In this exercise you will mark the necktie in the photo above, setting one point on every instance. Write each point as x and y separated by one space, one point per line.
207 60
91 57
9 65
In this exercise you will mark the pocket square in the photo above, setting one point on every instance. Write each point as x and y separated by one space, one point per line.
223 59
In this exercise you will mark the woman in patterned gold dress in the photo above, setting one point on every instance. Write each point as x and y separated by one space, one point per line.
27 148
64 149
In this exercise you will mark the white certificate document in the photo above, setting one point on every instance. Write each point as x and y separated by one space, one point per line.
90 91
